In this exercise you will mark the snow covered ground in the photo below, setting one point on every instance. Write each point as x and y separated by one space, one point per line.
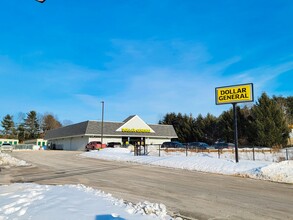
32 201
205 162
6 161
74 202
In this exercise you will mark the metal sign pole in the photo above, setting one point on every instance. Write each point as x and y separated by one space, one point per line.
235 131
232 95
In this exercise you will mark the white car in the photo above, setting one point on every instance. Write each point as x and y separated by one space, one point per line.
6 147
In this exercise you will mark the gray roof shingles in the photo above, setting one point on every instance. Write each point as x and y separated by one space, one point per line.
109 129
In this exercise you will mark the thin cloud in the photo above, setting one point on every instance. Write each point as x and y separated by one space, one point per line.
265 77
90 101
160 90
146 78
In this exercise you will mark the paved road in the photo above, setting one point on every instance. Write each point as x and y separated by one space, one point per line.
193 194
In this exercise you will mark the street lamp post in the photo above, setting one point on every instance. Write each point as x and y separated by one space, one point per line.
102 128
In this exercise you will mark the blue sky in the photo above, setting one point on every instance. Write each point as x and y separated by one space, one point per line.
140 57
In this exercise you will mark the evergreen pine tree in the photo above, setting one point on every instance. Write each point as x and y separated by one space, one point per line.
31 125
268 124
182 125
8 125
210 128
187 128
198 127
226 126
243 125
289 105
22 135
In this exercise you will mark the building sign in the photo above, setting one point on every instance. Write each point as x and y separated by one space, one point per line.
136 130
234 94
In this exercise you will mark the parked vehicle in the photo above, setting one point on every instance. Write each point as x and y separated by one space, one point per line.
95 145
114 144
6 147
198 145
222 145
172 144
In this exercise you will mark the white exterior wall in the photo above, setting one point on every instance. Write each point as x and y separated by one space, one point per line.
36 142
107 139
136 123
156 141
78 143
73 143
11 141
112 139
95 139
148 140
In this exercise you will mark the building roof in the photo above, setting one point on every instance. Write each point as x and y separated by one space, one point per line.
93 128
129 118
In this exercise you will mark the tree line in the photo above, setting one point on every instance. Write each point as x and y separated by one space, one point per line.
30 126
265 123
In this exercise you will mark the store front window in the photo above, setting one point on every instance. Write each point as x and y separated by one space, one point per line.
133 141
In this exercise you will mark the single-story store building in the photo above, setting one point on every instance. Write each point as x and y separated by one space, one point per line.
131 131
10 141
40 142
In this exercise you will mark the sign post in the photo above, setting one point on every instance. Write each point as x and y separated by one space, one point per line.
235 131
233 95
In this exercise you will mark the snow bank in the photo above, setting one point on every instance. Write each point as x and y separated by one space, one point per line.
280 172
260 154
32 201
7 161
277 172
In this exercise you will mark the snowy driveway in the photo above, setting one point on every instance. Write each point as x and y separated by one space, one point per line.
200 195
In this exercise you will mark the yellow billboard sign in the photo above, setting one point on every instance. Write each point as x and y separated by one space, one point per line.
234 94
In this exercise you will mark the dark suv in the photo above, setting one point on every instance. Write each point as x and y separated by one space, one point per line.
198 145
172 144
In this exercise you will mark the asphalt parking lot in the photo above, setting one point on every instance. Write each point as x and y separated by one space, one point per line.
193 194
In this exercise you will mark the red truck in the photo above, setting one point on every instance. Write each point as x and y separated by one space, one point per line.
94 145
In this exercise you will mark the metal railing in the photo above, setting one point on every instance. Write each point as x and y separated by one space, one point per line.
23 147
27 147
247 153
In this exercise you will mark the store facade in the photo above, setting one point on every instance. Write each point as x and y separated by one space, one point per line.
40 142
10 141
132 130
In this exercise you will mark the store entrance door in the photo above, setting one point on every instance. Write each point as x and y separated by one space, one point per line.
133 141
138 143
